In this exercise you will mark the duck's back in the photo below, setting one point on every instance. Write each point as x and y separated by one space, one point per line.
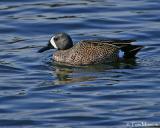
88 52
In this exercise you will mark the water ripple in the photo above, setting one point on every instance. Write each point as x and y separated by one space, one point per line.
37 92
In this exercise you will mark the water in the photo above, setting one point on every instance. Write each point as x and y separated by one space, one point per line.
37 93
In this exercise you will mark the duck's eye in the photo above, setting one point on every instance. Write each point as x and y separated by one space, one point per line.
55 38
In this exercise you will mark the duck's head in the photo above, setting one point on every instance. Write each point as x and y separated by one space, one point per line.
60 41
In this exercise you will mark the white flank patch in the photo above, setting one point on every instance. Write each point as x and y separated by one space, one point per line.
121 54
52 42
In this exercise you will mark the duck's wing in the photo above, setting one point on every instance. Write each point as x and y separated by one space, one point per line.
113 42
98 43
118 42
129 49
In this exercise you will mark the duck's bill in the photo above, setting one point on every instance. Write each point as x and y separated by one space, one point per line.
44 49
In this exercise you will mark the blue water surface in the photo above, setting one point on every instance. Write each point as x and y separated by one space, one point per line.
38 93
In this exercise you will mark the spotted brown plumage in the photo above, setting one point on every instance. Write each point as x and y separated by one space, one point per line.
89 51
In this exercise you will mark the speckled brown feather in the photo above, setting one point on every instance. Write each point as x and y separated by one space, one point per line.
96 52
88 52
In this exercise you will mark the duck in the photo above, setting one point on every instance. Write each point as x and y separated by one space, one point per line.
89 52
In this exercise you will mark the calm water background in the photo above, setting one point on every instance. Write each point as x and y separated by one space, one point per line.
37 93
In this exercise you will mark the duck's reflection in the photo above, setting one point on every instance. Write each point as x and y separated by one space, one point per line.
68 74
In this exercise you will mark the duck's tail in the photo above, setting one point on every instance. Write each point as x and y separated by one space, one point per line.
129 50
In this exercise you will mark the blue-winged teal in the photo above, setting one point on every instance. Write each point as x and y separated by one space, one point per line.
90 51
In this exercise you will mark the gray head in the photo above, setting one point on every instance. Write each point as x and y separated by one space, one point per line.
60 41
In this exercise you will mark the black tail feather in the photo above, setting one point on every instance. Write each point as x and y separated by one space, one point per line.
131 50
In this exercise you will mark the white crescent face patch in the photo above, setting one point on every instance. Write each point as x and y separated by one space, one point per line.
52 42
